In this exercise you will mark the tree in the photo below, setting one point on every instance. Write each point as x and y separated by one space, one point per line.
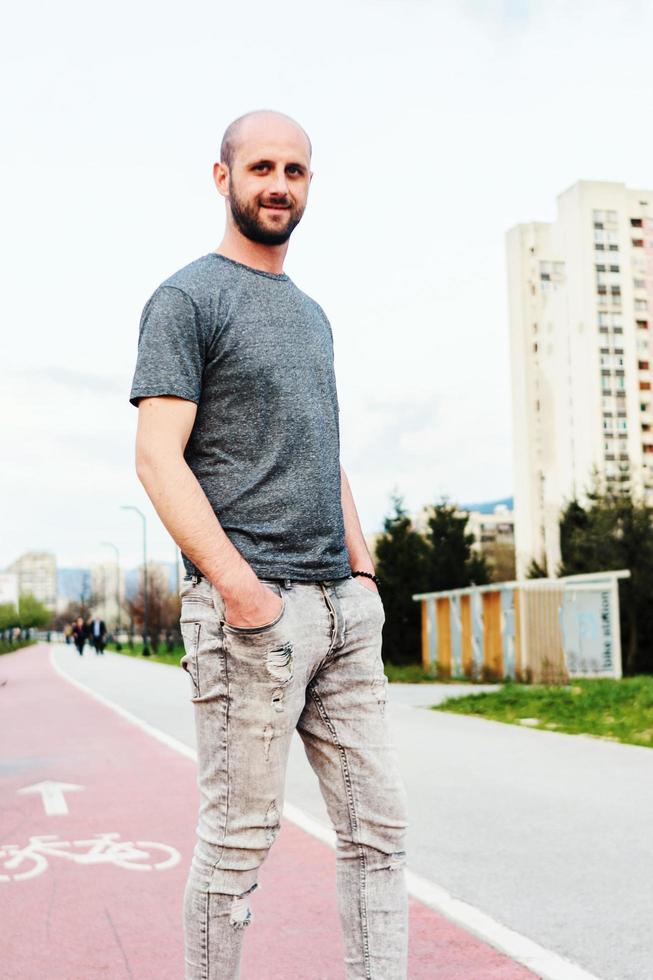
402 567
453 563
537 569
31 613
614 531
163 607
8 616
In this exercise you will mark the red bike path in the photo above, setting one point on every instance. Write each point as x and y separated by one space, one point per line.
100 920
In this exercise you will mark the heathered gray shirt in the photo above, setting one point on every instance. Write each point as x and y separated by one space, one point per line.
256 356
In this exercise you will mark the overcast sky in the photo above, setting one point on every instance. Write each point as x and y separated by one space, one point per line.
435 125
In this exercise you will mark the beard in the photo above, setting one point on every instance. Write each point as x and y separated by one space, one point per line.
249 221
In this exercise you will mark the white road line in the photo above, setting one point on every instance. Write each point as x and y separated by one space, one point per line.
543 963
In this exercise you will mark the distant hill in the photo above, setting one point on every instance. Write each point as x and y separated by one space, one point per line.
73 582
489 505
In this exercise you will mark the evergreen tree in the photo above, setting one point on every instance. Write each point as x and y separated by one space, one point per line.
536 569
613 531
453 564
402 567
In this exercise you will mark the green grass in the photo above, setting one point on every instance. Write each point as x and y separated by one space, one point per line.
618 710
162 657
415 674
7 647
407 674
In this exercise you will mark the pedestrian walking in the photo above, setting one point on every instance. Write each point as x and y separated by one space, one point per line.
238 449
80 633
98 634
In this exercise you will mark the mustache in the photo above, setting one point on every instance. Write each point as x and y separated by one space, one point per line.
279 202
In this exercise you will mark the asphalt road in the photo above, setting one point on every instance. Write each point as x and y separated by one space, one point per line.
548 833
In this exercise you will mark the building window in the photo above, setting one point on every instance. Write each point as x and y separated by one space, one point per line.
614 268
645 386
637 242
636 222
642 324
641 305
639 283
643 365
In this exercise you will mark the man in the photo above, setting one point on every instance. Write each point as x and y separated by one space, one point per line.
98 633
80 632
238 449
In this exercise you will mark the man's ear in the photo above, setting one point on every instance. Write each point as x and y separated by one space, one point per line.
221 178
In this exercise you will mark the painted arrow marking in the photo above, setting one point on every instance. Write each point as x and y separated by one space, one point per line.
52 794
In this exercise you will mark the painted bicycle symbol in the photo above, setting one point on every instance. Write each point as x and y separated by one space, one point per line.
32 860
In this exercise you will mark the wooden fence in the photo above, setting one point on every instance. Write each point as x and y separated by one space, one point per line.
540 630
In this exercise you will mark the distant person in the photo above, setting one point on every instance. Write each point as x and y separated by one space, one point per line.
80 633
238 449
68 632
98 634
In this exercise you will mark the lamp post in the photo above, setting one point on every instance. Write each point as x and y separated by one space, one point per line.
110 544
146 649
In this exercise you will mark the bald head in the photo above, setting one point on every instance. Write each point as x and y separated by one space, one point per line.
259 124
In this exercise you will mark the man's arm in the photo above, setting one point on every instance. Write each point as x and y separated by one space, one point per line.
164 427
359 557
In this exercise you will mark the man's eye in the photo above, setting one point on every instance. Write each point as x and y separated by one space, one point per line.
294 170
261 166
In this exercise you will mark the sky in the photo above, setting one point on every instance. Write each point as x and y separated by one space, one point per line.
436 126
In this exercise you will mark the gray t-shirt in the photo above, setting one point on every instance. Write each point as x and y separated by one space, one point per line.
256 356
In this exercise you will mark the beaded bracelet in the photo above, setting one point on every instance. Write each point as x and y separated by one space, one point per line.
374 578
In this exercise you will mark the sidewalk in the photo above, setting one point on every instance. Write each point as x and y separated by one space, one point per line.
76 909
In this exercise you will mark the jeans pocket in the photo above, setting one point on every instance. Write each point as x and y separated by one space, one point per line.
266 627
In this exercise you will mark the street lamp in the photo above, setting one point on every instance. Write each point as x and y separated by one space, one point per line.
110 544
146 649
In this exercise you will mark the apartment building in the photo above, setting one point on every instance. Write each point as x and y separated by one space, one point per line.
581 317
36 572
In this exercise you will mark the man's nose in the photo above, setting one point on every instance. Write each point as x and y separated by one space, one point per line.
279 184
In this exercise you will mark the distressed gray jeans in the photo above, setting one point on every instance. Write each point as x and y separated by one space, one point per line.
317 668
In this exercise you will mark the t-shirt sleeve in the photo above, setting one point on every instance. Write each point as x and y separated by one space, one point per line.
171 348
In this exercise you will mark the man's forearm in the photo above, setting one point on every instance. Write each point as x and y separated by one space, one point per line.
359 556
186 512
